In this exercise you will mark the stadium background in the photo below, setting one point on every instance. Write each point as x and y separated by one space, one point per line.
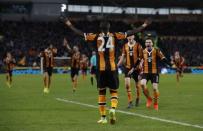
28 26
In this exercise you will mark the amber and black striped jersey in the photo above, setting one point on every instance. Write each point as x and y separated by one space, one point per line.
75 60
106 45
84 63
150 60
178 61
9 62
132 53
48 56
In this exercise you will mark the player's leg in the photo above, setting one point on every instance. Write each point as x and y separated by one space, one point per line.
102 97
92 72
75 82
155 81
72 78
84 73
137 78
129 93
102 105
138 86
91 79
49 77
178 75
128 88
76 79
45 82
113 84
156 95
8 79
181 71
145 90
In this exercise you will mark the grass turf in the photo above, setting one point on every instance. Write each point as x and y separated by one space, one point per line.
24 107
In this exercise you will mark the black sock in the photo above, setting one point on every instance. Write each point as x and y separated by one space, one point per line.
91 80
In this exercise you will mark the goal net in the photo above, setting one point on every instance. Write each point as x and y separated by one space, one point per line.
61 64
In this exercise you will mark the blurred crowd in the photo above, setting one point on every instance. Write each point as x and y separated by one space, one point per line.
26 39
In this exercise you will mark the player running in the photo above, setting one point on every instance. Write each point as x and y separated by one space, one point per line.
9 62
107 68
178 61
150 58
131 52
75 63
48 63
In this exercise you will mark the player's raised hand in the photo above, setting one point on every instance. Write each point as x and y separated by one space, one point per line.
65 42
68 23
147 22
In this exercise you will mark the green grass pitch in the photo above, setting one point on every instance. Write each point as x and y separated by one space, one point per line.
24 107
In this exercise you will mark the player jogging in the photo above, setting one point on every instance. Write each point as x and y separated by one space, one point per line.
48 63
150 58
9 62
131 52
75 63
178 61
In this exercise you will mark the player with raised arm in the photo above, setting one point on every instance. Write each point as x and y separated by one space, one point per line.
131 52
151 55
48 63
178 61
75 63
107 68
9 62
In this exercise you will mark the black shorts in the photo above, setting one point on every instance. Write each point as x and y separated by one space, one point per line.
154 78
134 75
10 72
84 70
179 70
48 70
74 71
93 70
108 79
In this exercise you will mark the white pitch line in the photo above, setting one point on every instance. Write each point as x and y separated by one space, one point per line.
135 114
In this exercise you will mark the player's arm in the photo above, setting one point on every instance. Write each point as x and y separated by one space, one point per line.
122 56
138 62
54 50
163 58
66 44
143 26
13 61
183 61
42 54
121 60
77 31
135 65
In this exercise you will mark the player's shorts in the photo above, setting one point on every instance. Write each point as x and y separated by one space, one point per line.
154 78
108 79
179 69
135 75
84 70
74 71
10 72
93 70
49 70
